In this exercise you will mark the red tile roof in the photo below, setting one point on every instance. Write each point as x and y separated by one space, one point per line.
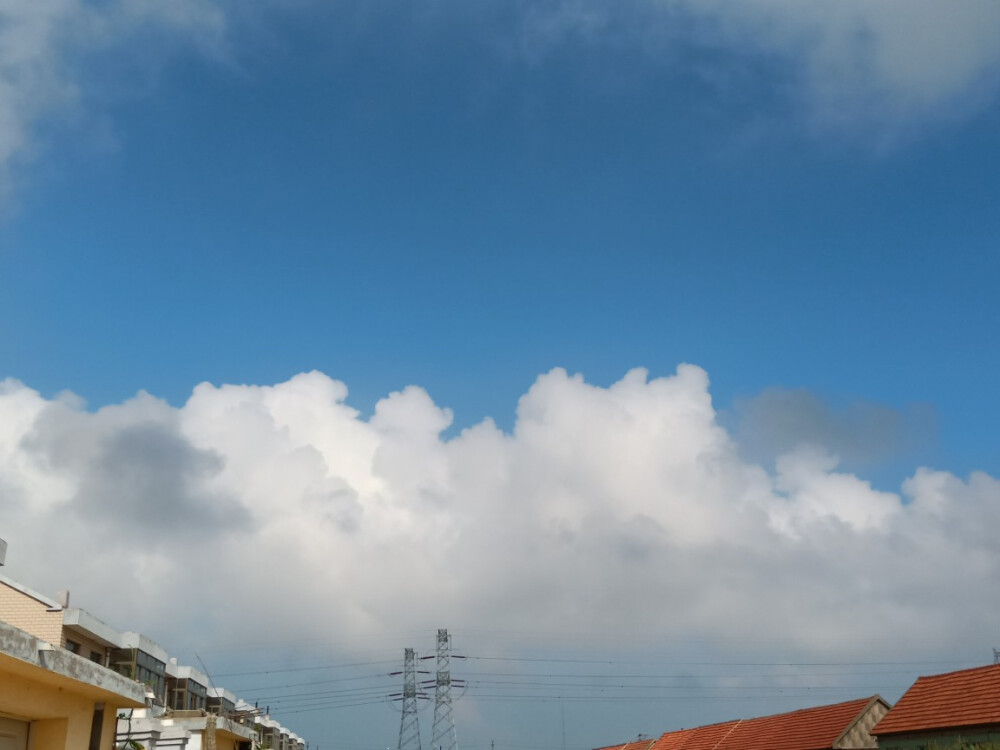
634 745
807 729
699 738
968 698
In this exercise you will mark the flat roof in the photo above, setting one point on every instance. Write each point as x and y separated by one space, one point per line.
130 639
81 620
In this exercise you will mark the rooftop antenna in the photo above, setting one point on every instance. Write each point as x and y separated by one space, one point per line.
996 656
204 669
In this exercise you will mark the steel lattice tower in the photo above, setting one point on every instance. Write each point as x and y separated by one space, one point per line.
409 727
443 731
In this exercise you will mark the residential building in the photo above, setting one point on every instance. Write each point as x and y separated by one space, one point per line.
941 710
65 675
52 699
142 659
187 688
221 701
55 622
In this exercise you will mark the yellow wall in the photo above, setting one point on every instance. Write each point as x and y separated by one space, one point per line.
59 719
30 615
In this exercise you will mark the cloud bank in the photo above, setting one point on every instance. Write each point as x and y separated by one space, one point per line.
600 501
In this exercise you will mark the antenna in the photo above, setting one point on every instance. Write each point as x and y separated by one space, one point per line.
211 683
996 656
409 727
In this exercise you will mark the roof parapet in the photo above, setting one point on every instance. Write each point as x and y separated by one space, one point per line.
144 643
100 631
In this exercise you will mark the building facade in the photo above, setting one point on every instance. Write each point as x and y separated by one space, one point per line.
69 681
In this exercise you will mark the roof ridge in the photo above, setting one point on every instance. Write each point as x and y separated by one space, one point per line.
982 668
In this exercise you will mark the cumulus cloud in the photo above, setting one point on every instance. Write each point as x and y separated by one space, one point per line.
601 500
43 42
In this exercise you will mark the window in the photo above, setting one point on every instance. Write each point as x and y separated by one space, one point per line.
97 657
72 646
138 665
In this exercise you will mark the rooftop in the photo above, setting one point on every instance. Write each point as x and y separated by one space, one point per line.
967 698
640 744
816 728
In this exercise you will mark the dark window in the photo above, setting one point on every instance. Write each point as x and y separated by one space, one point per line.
96 724
72 647
97 657
140 666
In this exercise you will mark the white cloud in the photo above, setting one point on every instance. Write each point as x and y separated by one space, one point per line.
600 499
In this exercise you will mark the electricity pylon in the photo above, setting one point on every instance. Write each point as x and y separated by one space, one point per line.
409 727
443 731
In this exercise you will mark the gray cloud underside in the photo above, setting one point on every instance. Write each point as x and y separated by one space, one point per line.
778 421
602 500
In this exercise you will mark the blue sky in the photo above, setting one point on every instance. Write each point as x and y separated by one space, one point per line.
799 199
402 200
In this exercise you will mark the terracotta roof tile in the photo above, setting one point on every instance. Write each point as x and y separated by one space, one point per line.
967 698
807 729
634 745
699 738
